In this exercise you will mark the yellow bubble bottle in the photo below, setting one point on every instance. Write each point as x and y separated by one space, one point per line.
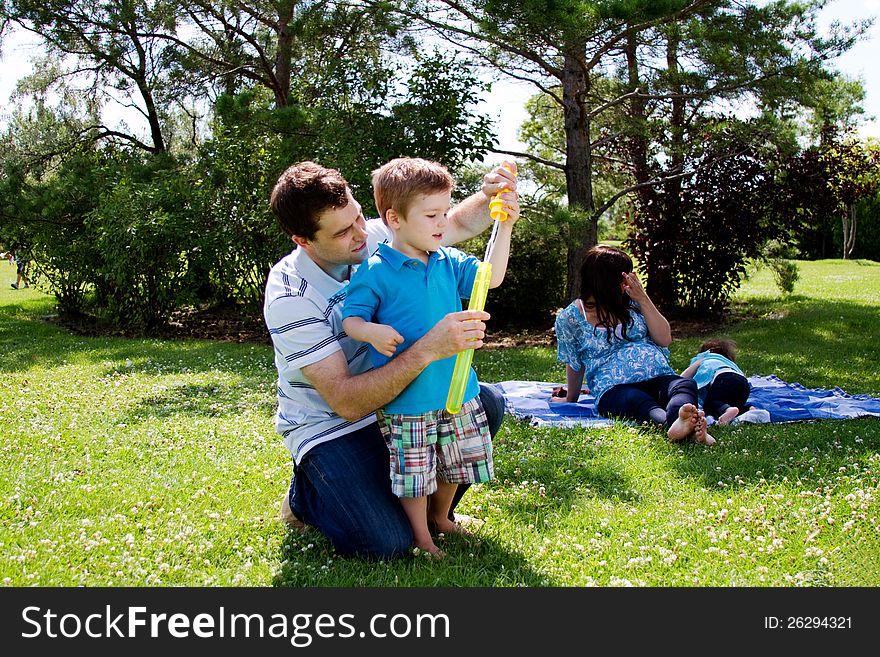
463 361
477 302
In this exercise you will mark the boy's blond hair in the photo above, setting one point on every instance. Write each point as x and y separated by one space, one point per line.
397 183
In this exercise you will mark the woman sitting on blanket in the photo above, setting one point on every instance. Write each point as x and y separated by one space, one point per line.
614 337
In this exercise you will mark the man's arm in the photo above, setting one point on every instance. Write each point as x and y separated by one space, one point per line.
353 396
471 217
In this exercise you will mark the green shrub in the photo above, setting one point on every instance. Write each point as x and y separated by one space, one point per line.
46 211
785 273
146 230
779 257
534 285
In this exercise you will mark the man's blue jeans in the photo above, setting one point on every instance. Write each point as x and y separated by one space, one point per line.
342 487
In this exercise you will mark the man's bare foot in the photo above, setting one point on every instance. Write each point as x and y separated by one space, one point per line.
685 425
728 415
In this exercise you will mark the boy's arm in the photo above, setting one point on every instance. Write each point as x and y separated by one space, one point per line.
383 337
471 216
352 396
500 253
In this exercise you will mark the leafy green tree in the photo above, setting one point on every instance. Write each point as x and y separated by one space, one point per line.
237 167
828 183
852 173
837 106
146 227
672 60
767 56
868 244
115 46
300 50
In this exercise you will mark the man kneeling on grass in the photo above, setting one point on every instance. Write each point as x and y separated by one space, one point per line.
327 393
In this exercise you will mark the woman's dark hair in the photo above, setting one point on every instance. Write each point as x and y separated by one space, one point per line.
601 290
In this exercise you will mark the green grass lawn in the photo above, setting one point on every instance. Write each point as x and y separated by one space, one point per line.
154 462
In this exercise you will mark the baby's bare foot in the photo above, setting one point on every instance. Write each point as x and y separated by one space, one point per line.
728 415
701 434
685 424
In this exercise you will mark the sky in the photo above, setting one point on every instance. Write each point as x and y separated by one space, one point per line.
505 105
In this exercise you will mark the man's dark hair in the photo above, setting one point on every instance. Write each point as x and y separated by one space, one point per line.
302 193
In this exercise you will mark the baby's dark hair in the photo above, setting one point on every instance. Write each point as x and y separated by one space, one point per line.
726 348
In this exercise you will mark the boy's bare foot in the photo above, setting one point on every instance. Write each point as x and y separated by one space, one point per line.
470 523
728 415
685 425
701 435
446 526
430 549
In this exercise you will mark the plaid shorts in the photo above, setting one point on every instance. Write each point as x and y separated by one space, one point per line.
456 448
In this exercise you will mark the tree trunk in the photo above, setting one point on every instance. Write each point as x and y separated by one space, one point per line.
667 291
152 117
577 167
657 277
139 75
283 56
849 230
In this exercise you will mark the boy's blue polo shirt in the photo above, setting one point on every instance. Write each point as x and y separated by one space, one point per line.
392 288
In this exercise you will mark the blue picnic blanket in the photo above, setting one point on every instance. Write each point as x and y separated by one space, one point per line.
786 402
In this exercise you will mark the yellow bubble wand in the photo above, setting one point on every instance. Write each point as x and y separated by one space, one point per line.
477 302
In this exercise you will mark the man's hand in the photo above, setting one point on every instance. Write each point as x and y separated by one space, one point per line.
511 207
471 217
500 179
454 333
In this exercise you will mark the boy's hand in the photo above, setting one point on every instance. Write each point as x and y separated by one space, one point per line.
511 207
500 179
385 339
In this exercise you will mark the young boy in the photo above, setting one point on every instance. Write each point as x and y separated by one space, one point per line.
394 299
721 385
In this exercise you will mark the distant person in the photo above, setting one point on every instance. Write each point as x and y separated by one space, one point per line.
613 336
21 263
721 385
394 299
